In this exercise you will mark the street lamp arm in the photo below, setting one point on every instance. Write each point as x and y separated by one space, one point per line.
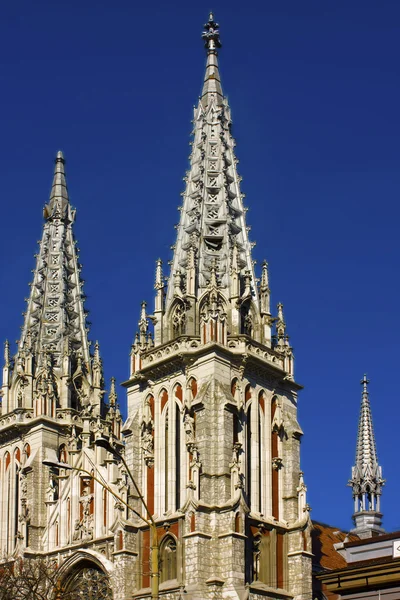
67 467
104 443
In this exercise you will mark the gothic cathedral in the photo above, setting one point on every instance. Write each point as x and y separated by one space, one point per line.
208 500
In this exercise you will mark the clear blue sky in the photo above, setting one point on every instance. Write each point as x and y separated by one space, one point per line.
315 95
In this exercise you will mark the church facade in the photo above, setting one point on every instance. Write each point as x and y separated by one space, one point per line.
209 500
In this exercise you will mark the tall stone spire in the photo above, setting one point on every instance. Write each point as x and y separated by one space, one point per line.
54 344
366 479
212 289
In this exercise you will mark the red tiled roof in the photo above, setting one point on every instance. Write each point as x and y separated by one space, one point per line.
323 538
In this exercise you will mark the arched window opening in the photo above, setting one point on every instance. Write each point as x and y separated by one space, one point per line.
179 392
120 540
177 457
89 582
168 554
248 456
17 466
247 393
27 451
235 389
164 399
166 459
261 401
275 463
193 386
238 523
7 460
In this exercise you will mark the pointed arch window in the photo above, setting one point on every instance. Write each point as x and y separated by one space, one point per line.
168 555
177 445
275 461
166 458
17 469
178 320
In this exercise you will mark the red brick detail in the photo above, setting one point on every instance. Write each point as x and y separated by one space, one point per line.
151 404
247 395
238 523
178 392
164 399
150 489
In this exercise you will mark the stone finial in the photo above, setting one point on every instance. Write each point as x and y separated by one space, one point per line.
210 34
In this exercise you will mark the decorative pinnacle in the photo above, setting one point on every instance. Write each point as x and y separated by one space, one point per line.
210 34
7 358
364 382
143 317
112 396
159 284
264 275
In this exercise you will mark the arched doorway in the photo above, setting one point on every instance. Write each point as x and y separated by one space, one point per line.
88 581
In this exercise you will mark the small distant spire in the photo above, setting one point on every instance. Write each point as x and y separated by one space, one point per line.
212 81
112 396
366 480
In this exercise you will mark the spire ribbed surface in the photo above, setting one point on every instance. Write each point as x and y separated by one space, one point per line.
366 457
55 317
212 233
366 480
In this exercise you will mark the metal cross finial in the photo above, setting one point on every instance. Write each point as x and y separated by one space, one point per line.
210 34
364 382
